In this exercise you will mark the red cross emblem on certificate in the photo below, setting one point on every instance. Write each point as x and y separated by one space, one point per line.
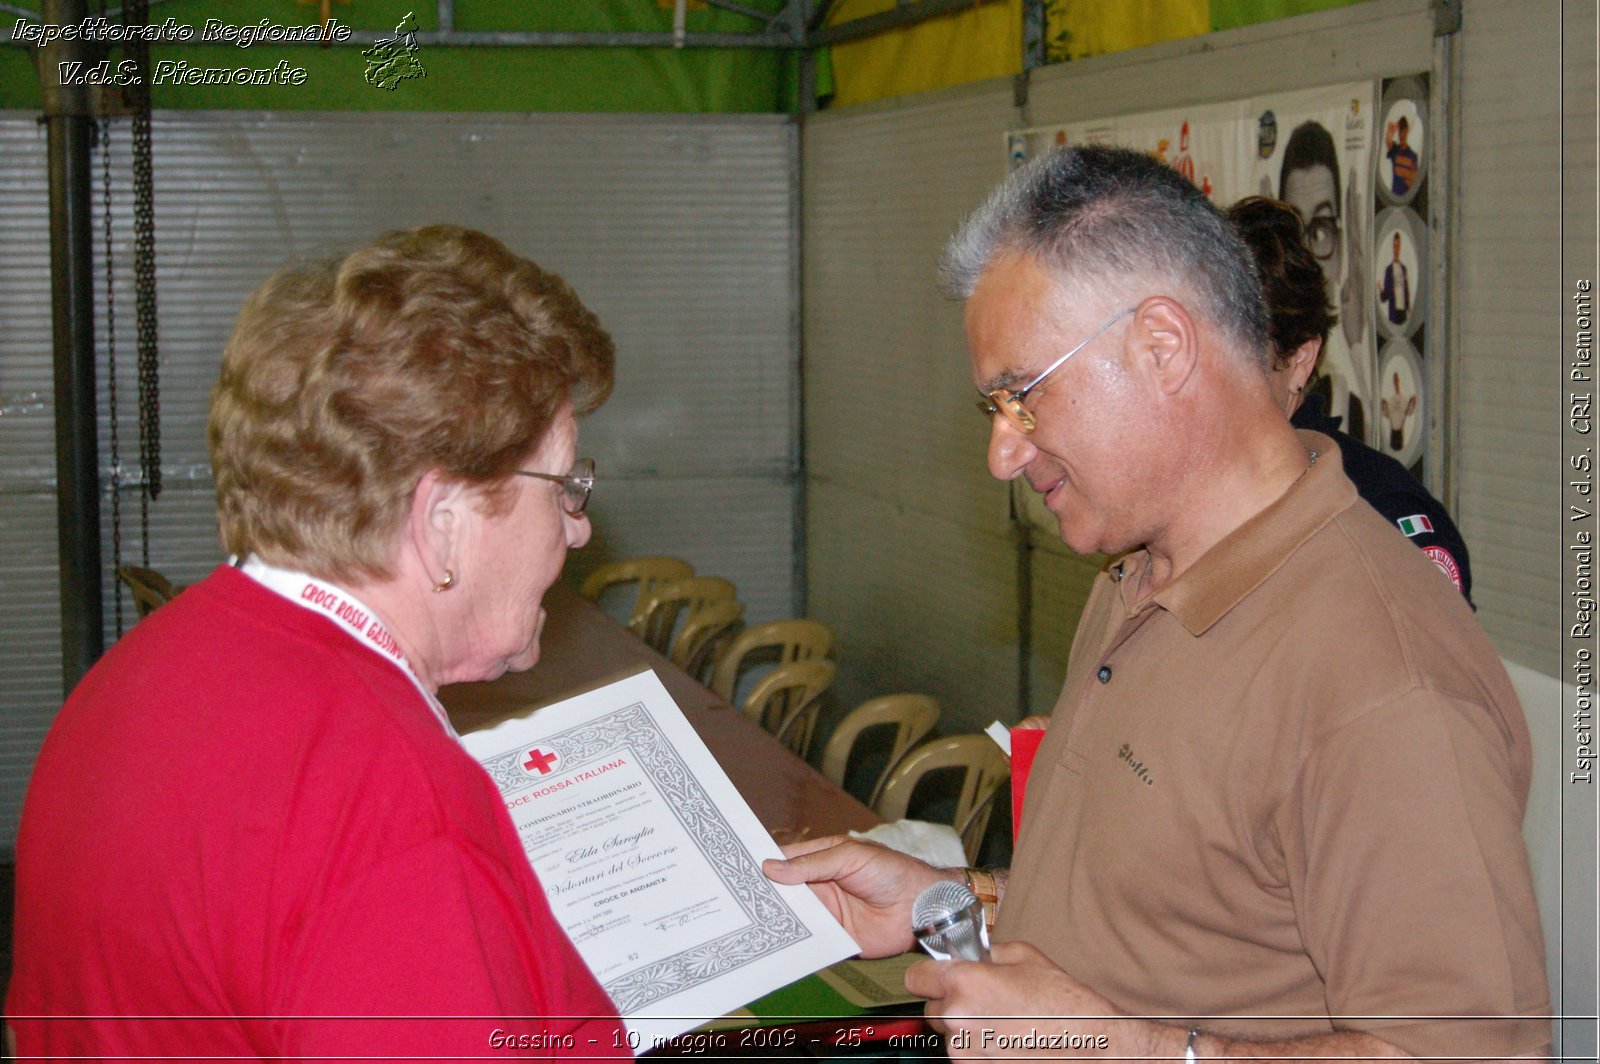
541 762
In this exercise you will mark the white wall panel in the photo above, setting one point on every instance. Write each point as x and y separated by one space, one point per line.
752 518
918 603
1512 306
908 550
30 633
30 623
1061 584
678 231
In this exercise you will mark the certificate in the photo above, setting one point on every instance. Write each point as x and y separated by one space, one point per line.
651 860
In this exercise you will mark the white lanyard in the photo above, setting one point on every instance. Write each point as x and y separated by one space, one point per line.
348 612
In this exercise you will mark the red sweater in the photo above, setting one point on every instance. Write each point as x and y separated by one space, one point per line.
249 824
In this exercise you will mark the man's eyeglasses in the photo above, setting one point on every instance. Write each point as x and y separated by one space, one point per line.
1322 236
1009 403
576 486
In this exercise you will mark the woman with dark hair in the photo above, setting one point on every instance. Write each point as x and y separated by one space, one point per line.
1301 322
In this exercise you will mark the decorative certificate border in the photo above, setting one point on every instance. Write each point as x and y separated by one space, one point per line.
772 926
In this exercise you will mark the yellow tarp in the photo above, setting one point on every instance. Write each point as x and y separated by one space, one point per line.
1081 28
984 42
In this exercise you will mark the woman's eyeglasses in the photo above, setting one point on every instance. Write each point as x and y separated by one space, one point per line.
576 486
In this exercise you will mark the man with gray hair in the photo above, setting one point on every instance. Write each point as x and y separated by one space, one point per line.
1277 810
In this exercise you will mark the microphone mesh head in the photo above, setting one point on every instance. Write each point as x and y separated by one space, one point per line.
940 902
947 920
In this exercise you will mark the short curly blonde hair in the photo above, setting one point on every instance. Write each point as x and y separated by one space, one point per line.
346 381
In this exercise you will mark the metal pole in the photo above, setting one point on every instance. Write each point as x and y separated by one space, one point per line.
69 122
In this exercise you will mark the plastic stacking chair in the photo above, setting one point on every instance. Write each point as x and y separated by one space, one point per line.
790 640
786 700
705 632
986 768
646 572
150 589
656 615
911 716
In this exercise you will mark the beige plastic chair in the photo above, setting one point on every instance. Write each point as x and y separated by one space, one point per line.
793 641
705 632
987 768
656 615
647 572
786 700
150 589
911 716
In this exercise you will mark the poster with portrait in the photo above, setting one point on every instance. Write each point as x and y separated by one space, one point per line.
1314 152
1202 142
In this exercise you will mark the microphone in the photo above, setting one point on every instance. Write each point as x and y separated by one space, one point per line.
947 920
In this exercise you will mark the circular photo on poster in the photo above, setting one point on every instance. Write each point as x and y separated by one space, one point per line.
1400 272
1400 402
1017 149
1401 153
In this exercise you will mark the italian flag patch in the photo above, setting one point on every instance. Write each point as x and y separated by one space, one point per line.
1415 525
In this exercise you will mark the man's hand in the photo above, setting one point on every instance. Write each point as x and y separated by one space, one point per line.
869 888
1022 1005
979 1006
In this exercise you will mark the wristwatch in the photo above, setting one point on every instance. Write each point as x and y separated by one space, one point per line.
981 883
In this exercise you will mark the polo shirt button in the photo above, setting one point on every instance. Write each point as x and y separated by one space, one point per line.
1104 675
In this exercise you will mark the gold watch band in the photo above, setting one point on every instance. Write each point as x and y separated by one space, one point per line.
981 883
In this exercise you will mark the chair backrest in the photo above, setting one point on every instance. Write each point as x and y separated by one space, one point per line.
150 589
656 615
793 640
986 765
704 632
786 700
647 572
911 716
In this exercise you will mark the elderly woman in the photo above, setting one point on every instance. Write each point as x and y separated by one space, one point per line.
252 830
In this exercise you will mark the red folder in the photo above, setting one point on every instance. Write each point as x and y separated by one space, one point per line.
1024 744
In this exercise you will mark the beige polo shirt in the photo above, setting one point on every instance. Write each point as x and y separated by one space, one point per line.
1283 795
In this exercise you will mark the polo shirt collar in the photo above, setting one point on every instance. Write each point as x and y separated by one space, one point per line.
1244 559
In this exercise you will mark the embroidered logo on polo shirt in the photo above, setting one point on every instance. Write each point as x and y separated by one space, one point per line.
1125 754
1446 563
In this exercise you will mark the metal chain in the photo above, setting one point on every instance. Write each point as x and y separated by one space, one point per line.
144 278
104 129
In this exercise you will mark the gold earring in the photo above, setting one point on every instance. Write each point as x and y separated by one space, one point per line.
447 584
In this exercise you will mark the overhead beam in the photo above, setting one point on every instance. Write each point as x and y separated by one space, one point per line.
893 19
739 9
579 39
